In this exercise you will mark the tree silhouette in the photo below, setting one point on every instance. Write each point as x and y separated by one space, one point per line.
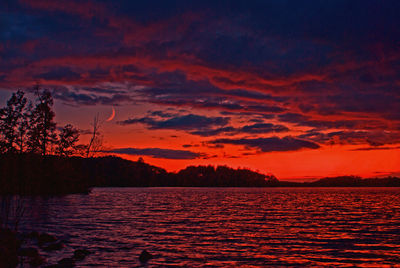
67 139
96 140
30 128
13 124
41 123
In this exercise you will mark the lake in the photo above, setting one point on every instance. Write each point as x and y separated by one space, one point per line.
226 227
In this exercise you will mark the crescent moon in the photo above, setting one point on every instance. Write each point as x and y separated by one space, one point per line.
112 115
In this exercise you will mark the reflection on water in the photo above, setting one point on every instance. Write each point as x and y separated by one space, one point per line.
227 227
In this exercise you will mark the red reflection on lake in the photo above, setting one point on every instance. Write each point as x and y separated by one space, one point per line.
226 227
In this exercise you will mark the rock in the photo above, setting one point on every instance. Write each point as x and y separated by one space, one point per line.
66 262
9 245
8 258
53 246
37 261
33 235
28 252
9 238
80 254
145 256
46 238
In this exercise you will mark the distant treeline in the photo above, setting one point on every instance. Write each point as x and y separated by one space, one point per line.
35 174
346 181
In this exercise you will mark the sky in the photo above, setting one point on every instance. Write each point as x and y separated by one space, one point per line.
299 89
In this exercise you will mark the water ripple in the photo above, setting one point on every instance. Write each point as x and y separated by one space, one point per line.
227 227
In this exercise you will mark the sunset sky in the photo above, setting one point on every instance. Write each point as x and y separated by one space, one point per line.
298 89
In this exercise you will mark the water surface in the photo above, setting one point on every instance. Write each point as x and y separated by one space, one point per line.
226 227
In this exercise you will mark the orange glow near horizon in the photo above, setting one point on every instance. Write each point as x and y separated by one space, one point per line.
300 165
327 161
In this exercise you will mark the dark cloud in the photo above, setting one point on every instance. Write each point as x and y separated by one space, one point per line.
220 104
213 146
252 95
102 90
158 153
183 122
254 116
201 125
256 120
162 114
214 132
373 138
292 118
303 120
258 128
375 148
59 73
272 144
374 102
91 99
175 89
263 128
190 145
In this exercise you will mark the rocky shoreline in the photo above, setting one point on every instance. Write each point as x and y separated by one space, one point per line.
36 249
